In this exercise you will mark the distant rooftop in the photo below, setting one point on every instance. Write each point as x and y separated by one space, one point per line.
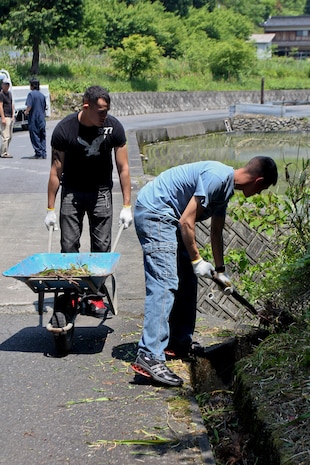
262 38
283 21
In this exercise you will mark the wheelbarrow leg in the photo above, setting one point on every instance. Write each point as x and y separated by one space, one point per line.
114 294
40 306
112 300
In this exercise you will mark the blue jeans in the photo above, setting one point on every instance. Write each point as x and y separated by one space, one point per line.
98 207
166 265
37 134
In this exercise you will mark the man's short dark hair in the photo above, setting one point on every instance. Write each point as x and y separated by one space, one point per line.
264 167
93 93
35 84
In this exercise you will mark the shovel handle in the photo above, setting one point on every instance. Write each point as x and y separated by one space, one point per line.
238 297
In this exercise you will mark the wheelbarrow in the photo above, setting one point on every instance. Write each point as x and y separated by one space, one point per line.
73 278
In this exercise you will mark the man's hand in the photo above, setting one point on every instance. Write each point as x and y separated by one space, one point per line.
225 283
125 216
202 268
51 219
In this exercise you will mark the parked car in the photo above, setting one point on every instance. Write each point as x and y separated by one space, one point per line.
19 94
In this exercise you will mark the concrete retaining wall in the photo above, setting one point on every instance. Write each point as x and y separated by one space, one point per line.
137 103
162 133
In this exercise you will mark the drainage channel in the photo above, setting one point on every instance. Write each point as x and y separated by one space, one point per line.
216 389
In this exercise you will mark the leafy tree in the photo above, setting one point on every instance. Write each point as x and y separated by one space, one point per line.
179 7
210 4
5 6
260 10
30 23
221 24
307 8
233 59
137 56
197 50
106 28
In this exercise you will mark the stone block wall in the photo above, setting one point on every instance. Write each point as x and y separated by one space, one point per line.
236 235
264 123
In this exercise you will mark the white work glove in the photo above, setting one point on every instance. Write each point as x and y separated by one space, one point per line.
203 268
51 219
125 216
226 287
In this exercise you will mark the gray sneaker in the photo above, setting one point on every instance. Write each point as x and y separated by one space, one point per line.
156 369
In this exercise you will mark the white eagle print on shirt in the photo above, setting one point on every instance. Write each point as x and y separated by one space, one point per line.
94 147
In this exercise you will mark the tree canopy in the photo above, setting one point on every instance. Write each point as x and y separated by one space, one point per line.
30 23
188 30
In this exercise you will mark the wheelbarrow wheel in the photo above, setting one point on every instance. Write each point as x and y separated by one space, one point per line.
63 341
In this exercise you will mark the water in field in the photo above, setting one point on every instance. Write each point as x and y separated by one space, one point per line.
232 149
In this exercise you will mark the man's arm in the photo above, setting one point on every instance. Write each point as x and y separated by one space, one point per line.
187 224
2 113
28 104
217 226
122 164
27 111
55 177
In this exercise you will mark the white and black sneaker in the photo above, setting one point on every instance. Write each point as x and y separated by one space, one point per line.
156 369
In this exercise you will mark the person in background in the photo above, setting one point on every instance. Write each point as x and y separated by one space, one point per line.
82 145
166 211
36 106
7 117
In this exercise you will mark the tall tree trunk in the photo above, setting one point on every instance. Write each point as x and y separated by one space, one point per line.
35 57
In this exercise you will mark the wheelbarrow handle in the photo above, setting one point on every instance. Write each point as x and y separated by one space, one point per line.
117 237
50 237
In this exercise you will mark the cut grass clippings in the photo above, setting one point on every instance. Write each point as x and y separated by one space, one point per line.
150 441
87 401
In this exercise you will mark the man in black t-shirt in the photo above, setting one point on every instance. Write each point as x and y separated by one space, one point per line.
82 145
7 117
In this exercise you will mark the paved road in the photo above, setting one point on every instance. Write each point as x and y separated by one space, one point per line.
52 408
73 410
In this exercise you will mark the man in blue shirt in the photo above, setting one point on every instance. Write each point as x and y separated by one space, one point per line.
36 106
166 211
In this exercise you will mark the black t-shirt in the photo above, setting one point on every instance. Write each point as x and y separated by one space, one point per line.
6 99
88 152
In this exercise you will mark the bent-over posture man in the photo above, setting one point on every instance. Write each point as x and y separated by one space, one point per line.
166 211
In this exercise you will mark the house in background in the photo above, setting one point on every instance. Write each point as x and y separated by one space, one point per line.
263 44
292 35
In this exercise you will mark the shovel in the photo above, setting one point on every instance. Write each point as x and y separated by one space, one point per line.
242 300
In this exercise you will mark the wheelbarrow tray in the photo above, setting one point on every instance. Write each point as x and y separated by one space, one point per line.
99 266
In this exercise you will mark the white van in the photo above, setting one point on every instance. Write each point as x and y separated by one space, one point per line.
19 94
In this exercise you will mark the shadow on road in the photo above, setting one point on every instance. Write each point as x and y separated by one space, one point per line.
86 340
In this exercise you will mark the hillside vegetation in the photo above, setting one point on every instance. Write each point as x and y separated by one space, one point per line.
141 45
